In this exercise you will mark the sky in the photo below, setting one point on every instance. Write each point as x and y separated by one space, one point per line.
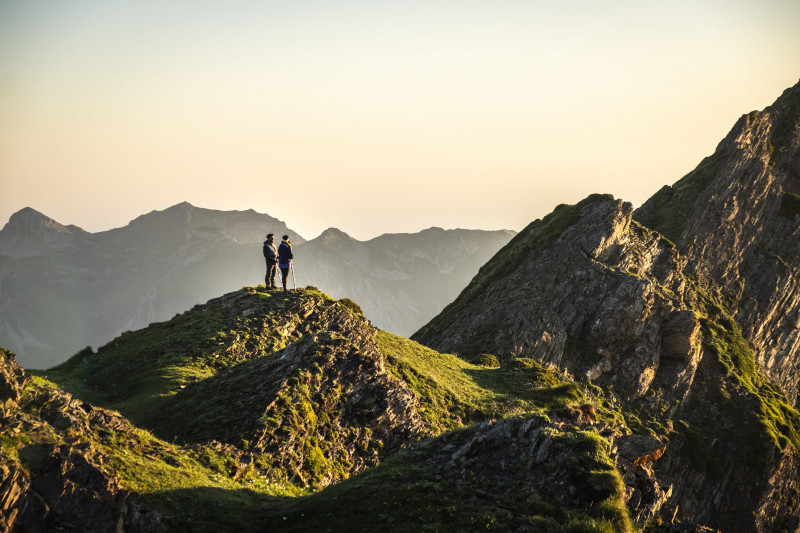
373 117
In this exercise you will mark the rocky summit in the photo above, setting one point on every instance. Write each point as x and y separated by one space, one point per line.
683 307
609 369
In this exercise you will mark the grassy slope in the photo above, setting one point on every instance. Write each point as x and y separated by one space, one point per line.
158 470
408 491
454 392
139 371
198 485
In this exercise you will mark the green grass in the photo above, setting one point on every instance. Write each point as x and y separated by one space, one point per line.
169 478
777 420
666 211
138 372
453 392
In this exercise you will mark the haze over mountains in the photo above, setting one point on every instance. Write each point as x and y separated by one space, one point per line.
62 288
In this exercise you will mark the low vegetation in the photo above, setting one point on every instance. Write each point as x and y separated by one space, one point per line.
666 211
201 484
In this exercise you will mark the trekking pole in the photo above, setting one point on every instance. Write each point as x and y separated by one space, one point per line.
293 280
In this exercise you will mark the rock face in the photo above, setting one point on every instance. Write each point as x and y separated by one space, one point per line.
319 410
678 330
736 220
51 477
601 293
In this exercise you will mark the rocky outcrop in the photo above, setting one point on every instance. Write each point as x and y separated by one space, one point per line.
634 456
533 458
736 220
321 409
51 476
603 294
608 300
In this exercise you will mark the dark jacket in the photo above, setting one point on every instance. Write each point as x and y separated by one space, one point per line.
284 254
270 253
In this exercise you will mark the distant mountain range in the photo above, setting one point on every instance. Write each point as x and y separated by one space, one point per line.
63 288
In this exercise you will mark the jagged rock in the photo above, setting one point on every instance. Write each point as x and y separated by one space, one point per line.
323 408
12 380
640 450
738 226
679 335
589 299
62 487
634 455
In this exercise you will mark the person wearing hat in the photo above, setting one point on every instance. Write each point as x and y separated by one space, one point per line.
271 256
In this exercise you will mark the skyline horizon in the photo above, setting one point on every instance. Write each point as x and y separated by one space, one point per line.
363 237
373 118
297 233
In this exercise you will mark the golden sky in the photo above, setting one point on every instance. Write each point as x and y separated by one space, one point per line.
372 117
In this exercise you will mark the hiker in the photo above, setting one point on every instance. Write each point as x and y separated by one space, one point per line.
271 256
285 258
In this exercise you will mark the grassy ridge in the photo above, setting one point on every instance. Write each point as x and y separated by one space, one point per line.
206 487
138 372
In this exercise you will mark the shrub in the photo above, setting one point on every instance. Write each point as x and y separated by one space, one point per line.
352 306
487 359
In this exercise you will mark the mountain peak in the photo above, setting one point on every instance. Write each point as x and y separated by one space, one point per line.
28 215
183 206
331 235
30 232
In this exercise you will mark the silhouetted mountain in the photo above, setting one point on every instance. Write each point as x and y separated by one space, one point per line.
401 280
63 288
30 233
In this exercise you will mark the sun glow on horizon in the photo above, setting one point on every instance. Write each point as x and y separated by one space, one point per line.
372 117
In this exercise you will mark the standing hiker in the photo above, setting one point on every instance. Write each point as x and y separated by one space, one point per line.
271 256
285 258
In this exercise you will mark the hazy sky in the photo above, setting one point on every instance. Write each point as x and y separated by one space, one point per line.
374 117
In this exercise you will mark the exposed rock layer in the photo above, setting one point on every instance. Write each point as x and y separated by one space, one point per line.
53 479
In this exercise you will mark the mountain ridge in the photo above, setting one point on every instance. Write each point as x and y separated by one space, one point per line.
55 300
677 323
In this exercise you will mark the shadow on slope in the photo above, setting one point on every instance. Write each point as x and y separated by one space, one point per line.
520 472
